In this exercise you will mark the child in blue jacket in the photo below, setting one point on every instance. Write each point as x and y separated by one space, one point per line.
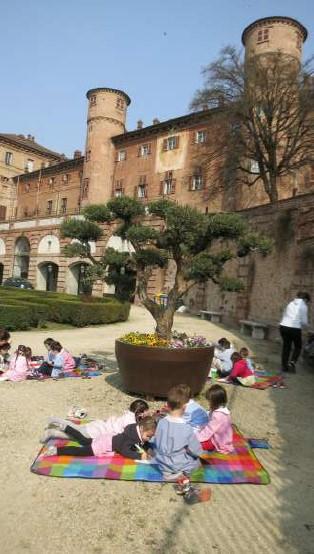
177 448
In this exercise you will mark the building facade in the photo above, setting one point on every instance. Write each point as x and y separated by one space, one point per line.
165 159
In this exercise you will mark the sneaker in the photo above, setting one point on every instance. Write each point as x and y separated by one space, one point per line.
57 423
51 451
183 485
291 366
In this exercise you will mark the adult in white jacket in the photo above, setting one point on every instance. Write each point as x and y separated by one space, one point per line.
295 317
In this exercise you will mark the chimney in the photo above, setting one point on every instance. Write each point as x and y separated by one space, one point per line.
77 154
33 139
29 137
139 124
156 121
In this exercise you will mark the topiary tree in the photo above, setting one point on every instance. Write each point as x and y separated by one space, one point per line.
198 245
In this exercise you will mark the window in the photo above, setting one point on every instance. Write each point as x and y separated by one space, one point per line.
144 150
120 103
299 41
197 182
87 155
141 189
27 187
171 143
168 185
262 35
85 187
200 137
92 100
64 202
3 210
121 156
65 178
49 207
51 182
29 165
254 166
118 188
8 158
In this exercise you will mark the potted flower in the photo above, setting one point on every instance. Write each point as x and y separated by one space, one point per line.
195 247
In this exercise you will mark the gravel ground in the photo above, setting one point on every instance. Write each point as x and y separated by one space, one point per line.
48 515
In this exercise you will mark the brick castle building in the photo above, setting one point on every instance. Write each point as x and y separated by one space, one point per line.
162 159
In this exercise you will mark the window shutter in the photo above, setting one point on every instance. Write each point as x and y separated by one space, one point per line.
177 141
146 191
135 192
164 144
190 182
149 148
161 191
173 186
139 151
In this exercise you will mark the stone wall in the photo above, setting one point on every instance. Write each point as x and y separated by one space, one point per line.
273 280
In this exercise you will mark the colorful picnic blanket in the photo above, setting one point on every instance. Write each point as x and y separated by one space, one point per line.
263 380
77 372
240 467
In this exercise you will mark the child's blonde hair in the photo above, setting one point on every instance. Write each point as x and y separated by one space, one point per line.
148 423
176 398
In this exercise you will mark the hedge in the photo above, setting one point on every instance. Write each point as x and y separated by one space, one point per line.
24 309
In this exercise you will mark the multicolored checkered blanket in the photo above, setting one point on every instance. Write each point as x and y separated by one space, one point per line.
263 380
240 467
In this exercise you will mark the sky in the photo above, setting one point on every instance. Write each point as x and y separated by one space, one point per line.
53 51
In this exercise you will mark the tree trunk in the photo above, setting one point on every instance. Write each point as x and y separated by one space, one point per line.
164 323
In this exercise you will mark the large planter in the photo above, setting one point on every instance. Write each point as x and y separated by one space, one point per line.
152 371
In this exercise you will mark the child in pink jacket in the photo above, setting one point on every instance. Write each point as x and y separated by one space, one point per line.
217 434
19 365
111 426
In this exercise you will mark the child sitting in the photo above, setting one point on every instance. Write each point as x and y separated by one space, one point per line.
177 448
4 337
194 413
4 356
241 372
244 353
217 434
113 425
222 357
19 365
63 362
131 443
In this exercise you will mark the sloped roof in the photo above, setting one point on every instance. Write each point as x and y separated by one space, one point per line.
183 121
29 144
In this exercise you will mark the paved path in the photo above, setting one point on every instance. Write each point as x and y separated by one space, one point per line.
46 515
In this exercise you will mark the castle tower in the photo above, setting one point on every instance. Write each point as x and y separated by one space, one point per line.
270 34
105 119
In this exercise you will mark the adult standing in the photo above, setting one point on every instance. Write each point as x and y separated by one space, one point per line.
295 317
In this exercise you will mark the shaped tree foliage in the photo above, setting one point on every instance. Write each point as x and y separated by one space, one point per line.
198 245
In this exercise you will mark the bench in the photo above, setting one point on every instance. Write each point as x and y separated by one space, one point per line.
214 317
255 329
